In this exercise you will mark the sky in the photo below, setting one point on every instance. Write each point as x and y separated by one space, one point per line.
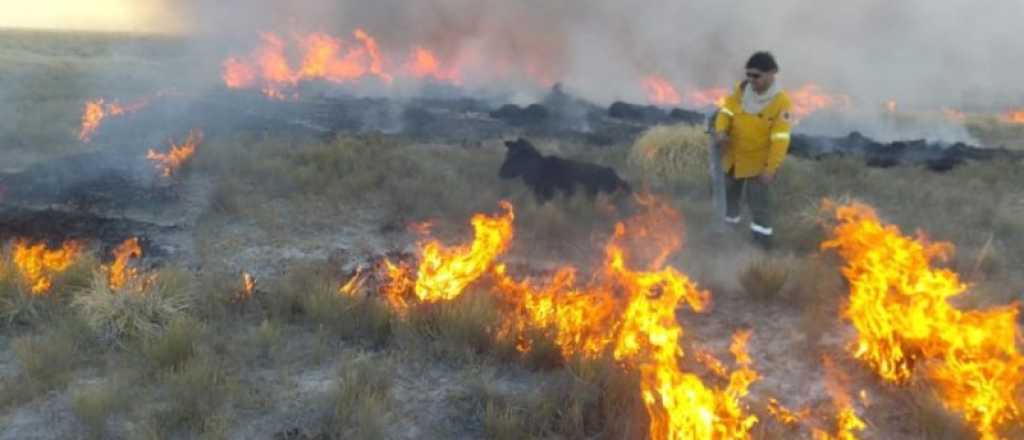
100 15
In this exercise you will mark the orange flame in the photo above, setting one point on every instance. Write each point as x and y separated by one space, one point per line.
953 114
119 274
178 155
847 421
714 96
354 285
787 416
322 57
38 264
248 287
1014 116
622 311
424 64
97 110
890 106
660 91
899 305
444 272
811 98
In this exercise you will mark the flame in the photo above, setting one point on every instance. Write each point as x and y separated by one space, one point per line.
714 96
354 284
811 98
625 312
97 110
1015 116
632 314
120 274
322 57
424 64
178 155
787 416
248 287
444 272
899 305
847 421
38 264
660 91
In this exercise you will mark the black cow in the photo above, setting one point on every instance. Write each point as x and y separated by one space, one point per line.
546 174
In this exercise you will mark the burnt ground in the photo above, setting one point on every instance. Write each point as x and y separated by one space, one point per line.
108 195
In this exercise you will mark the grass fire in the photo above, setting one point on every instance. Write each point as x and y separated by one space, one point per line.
465 220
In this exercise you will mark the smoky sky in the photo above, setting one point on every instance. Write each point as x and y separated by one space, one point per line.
922 53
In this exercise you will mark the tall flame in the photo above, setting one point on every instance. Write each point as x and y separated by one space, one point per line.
899 305
660 91
37 264
444 272
169 162
847 421
120 273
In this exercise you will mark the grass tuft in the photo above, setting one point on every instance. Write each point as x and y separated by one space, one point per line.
119 314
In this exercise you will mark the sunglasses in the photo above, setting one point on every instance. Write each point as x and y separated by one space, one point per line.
754 75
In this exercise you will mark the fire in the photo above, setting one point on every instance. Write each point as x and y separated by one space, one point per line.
660 91
899 306
714 96
354 285
248 287
444 272
424 64
622 311
38 264
847 421
1015 116
97 110
321 57
178 155
787 416
811 98
119 273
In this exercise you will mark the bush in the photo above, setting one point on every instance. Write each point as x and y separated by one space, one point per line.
196 394
19 306
94 404
671 155
120 314
362 399
763 278
47 360
462 329
173 347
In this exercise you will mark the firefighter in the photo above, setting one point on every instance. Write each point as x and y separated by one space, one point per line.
752 129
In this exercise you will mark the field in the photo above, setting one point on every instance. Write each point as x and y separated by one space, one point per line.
194 352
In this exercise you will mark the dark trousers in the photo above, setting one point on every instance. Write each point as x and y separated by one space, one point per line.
759 200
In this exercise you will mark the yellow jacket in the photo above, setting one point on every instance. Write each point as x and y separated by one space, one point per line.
757 142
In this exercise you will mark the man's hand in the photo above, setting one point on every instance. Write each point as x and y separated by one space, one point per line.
767 177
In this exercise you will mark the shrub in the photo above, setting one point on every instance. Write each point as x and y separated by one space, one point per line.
671 154
118 314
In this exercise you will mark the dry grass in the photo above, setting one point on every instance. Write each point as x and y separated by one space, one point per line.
19 306
47 362
94 404
196 395
120 314
994 132
669 155
592 399
462 330
362 398
175 345
764 277
355 318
